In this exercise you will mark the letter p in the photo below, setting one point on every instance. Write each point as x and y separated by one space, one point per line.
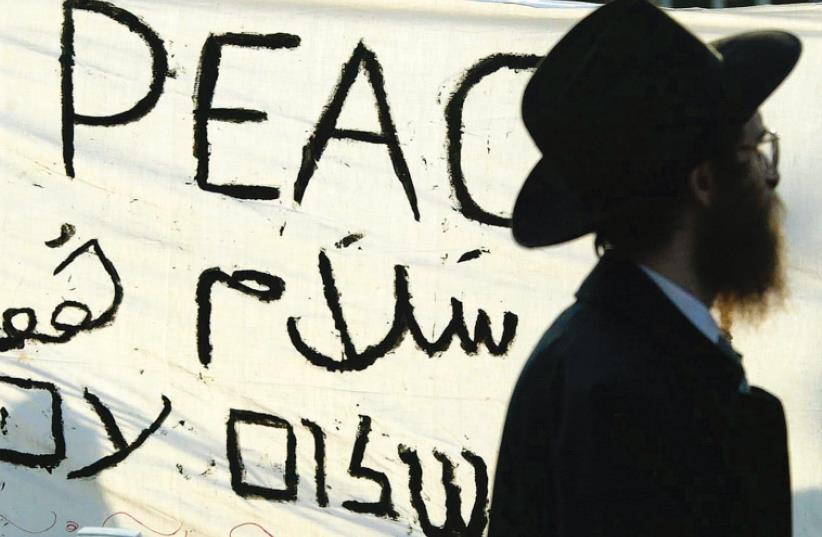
159 58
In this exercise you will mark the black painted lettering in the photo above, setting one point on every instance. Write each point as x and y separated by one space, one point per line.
203 112
159 71
327 127
122 447
454 524
384 507
319 460
268 288
235 457
353 360
453 118
404 321
49 461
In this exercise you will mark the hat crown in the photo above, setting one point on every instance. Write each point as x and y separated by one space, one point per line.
626 95
624 103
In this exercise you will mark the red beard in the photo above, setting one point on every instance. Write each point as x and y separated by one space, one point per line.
739 246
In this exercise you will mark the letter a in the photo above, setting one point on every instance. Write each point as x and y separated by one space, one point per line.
327 127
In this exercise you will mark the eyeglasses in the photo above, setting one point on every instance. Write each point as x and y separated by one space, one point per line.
767 148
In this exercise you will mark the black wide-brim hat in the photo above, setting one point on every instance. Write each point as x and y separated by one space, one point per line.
627 101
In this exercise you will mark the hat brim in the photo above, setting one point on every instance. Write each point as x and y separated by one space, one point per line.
754 65
546 214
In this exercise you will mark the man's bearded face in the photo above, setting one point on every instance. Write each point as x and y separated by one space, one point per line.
739 237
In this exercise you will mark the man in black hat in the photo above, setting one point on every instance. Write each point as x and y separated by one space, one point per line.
633 416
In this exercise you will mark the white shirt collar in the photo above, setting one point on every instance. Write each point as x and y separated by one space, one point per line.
689 305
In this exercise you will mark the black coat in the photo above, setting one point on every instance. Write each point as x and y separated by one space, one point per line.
628 421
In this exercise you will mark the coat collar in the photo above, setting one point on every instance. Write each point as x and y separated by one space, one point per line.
696 312
621 288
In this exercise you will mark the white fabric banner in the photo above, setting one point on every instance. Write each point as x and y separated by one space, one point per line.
257 276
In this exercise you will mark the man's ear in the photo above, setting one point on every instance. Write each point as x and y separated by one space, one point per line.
702 184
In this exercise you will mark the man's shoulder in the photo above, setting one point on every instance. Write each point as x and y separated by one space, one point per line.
588 346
